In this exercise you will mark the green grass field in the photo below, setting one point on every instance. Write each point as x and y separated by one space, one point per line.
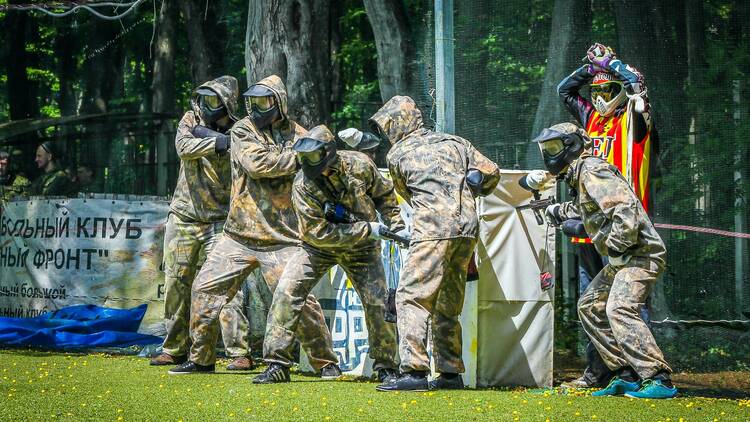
44 386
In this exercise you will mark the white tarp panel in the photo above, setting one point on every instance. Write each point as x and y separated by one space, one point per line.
515 318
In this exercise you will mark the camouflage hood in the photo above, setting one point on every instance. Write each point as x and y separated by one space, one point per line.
275 84
226 88
321 133
397 118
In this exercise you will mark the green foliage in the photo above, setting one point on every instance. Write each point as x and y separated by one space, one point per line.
357 61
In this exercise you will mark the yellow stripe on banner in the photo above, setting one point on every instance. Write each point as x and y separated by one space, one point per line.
645 163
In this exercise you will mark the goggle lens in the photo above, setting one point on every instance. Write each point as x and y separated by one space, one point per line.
552 147
260 103
212 101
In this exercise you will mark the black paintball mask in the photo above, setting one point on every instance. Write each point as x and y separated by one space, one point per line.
314 155
560 145
261 105
377 133
211 106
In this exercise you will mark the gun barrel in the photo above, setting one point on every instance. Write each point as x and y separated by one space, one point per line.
393 236
537 205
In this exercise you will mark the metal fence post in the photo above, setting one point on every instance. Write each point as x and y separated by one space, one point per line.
444 66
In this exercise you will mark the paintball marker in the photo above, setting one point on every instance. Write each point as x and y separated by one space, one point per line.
537 205
337 213
532 183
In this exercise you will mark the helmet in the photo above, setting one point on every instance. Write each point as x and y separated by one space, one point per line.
315 151
606 93
361 141
560 145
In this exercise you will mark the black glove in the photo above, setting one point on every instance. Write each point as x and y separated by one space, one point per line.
200 131
574 228
222 144
474 179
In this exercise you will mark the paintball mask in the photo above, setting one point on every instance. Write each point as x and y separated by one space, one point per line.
261 106
606 93
316 151
211 107
358 140
560 145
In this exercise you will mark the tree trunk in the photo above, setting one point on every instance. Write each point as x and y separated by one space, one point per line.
392 40
22 99
569 40
103 70
290 38
163 86
66 45
201 65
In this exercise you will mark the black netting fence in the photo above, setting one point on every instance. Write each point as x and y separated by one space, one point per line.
509 58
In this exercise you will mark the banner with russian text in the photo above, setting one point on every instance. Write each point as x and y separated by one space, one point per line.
60 252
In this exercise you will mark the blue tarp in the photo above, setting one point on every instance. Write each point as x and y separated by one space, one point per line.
78 327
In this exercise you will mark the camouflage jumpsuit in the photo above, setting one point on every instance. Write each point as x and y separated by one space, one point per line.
356 184
429 171
196 216
610 307
53 183
261 231
17 186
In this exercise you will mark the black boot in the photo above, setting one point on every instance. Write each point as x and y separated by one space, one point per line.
275 373
409 381
447 382
387 375
190 367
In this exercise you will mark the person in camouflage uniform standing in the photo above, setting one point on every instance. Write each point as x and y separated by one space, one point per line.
196 216
12 184
260 232
609 309
54 181
439 175
337 197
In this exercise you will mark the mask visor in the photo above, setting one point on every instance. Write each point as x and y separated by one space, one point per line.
212 102
606 91
551 147
260 104
312 158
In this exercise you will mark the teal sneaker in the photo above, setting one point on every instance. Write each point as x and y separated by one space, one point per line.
617 387
653 389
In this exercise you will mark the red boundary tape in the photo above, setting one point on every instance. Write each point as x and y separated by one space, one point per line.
702 230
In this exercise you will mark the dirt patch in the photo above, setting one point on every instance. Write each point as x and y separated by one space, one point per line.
726 384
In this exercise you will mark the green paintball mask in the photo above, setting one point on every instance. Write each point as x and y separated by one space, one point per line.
260 102
211 106
314 155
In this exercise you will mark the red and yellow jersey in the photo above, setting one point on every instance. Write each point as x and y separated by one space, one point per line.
610 141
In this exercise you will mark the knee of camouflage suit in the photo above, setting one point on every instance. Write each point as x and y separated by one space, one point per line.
617 309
